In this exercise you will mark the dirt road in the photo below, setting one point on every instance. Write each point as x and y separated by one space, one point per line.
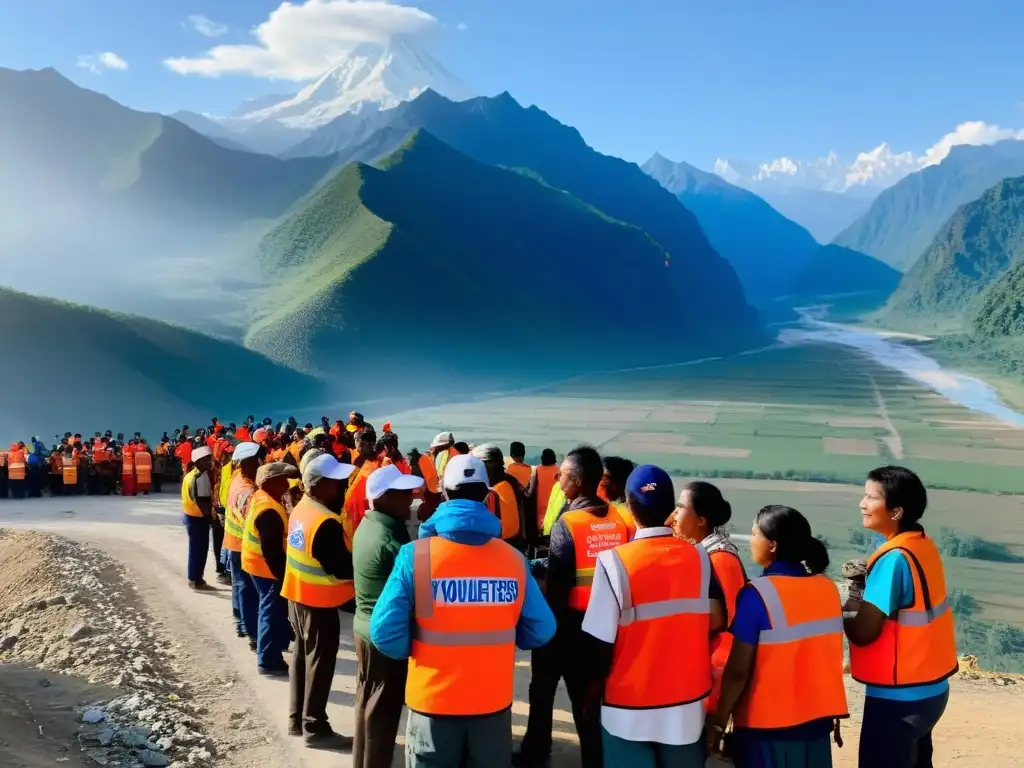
247 714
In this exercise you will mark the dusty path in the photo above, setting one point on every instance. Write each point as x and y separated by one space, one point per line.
249 714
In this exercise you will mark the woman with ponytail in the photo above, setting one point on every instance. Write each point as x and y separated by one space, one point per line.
700 517
783 683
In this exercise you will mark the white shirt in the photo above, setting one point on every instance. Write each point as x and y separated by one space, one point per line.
677 725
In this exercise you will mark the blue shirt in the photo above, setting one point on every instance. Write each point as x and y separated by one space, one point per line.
464 522
751 618
890 587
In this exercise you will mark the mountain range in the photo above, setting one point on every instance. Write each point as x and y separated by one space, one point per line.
903 220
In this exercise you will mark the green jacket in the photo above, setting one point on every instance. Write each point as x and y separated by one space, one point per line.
374 548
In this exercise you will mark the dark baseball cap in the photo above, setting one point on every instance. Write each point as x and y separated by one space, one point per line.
651 487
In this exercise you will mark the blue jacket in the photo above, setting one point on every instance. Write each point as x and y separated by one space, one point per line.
464 522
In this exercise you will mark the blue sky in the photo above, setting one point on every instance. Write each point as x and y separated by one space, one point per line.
694 79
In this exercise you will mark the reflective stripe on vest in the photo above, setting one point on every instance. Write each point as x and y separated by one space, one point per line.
127 462
665 603
467 600
253 561
305 580
16 465
70 471
144 467
806 634
239 494
917 646
188 504
590 536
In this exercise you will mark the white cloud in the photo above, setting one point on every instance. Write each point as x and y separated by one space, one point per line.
975 132
207 27
97 62
300 41
462 26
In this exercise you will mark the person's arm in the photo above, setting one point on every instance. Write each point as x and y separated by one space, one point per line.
751 619
536 624
561 575
392 618
889 587
271 531
717 597
204 494
330 550
601 621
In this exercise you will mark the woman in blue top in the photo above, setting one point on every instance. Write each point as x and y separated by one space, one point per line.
783 545
898 722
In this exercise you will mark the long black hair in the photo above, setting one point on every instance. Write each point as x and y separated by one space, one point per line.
794 541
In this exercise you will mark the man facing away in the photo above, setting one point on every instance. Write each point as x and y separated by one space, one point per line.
317 582
380 681
457 604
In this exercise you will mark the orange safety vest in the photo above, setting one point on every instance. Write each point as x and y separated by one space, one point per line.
143 467
253 561
100 455
918 644
591 535
728 569
16 465
429 472
188 503
521 472
234 516
356 504
666 604
467 601
546 478
128 461
305 580
3 459
798 669
503 503
70 470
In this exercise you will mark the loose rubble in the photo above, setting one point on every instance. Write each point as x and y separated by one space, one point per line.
68 609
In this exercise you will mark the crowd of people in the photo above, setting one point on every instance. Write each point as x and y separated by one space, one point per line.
635 597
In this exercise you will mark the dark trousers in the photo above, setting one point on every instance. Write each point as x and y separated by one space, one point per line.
18 489
380 696
898 734
244 595
198 530
548 665
217 529
317 634
459 742
273 632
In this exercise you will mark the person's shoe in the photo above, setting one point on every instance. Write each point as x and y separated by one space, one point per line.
273 671
224 578
528 760
252 645
329 740
199 586
294 730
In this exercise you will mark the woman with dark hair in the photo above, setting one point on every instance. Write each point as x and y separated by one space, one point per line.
700 517
902 640
613 487
783 683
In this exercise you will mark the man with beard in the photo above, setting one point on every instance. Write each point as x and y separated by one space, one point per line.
318 581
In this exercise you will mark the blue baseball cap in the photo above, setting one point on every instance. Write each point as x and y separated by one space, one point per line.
651 487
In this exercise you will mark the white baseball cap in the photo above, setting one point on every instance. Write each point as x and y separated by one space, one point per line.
325 466
463 470
201 453
245 451
441 440
390 478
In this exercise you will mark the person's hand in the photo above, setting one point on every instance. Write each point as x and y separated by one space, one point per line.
592 699
715 732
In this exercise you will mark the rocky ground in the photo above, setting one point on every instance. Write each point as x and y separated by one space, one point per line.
68 610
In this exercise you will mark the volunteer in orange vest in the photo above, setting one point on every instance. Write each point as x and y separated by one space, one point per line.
128 469
17 470
143 468
902 639
317 582
366 462
506 493
197 509
244 599
69 468
263 558
587 527
518 467
700 517
783 683
545 478
653 610
457 604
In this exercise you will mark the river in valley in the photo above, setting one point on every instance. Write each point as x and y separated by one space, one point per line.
888 350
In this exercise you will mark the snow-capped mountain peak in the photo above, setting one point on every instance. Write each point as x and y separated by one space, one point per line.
371 76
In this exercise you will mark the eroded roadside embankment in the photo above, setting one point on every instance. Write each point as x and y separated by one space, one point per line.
70 610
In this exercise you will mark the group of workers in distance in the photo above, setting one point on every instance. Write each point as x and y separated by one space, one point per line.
635 597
